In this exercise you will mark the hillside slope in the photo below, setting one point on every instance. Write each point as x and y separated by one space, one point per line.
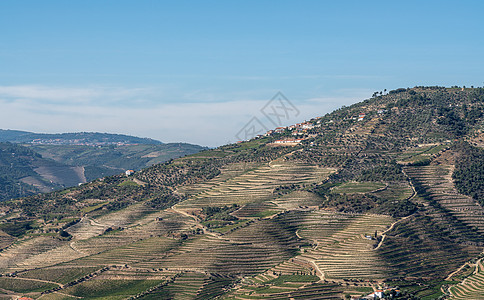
109 160
28 169
368 200
25 172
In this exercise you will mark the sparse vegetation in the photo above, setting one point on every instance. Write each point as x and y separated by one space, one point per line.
393 198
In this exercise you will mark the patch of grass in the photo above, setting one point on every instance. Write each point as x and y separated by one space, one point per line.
278 284
160 294
127 183
54 296
215 223
67 220
362 289
227 228
93 207
253 144
64 192
436 149
269 290
420 156
395 192
419 160
103 288
16 229
25 286
60 275
265 213
206 153
428 290
293 278
430 293
357 187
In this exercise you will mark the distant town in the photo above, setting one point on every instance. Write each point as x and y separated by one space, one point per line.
80 142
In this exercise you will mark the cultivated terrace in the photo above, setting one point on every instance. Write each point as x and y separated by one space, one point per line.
386 194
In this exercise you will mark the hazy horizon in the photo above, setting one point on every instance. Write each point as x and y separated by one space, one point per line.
199 72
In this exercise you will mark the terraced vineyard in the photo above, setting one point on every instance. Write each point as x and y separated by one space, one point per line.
344 244
472 287
446 229
357 206
288 287
437 181
254 185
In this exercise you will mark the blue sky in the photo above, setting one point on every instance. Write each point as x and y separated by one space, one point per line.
198 71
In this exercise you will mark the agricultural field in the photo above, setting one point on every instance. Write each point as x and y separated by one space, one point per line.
358 187
114 288
421 154
472 286
255 185
357 206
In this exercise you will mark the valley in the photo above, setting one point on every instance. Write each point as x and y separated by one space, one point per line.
40 163
360 205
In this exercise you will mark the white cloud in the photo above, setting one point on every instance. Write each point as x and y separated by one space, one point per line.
70 95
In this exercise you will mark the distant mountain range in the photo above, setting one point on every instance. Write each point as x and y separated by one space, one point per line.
31 163
76 138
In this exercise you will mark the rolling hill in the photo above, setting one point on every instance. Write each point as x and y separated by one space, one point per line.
381 195
101 161
25 172
75 138
31 164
